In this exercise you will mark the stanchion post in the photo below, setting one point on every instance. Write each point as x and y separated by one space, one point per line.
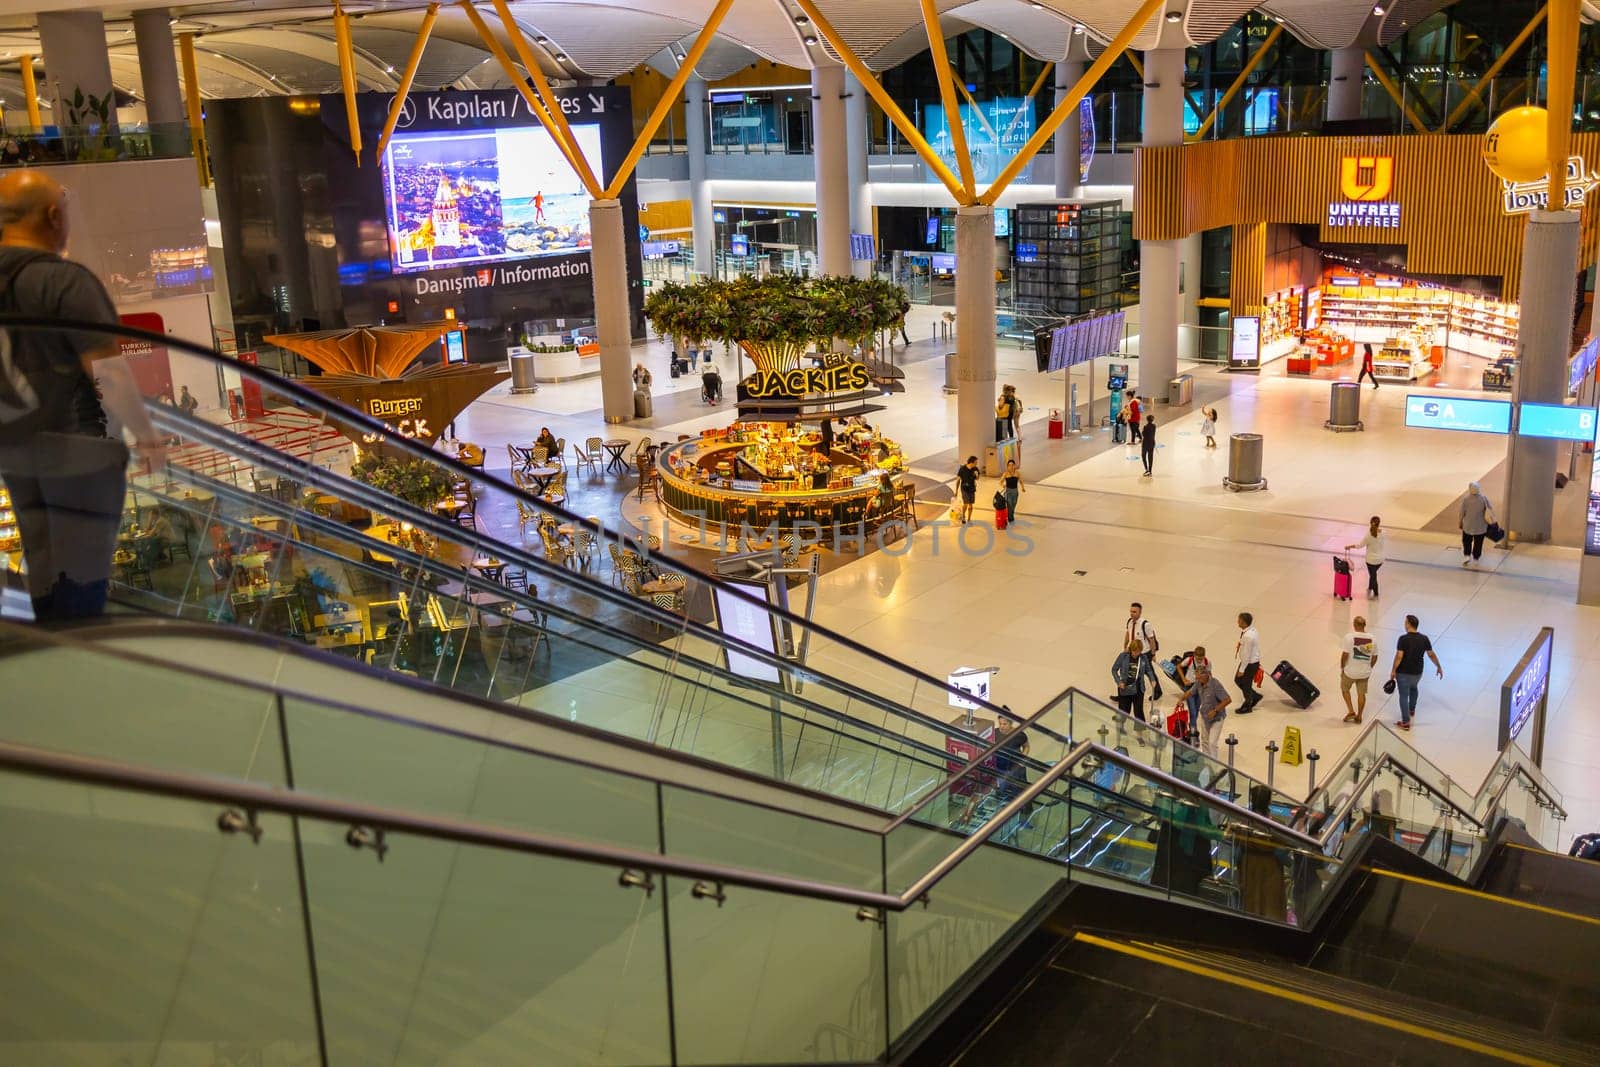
1312 757
1272 761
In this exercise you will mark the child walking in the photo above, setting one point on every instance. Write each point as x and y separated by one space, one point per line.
1208 426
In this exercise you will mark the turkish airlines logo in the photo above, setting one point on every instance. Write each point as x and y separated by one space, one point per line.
1366 177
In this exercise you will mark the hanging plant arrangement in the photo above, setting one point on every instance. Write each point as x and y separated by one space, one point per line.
777 319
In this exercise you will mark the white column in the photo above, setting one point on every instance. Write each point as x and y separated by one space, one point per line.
855 128
158 66
705 230
1158 260
833 170
608 259
1069 137
1549 265
975 388
73 44
1344 84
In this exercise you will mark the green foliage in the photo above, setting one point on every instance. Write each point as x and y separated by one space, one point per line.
415 481
781 309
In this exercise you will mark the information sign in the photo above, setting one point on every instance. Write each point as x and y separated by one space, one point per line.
1430 412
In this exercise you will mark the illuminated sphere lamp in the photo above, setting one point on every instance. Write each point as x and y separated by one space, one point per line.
1515 147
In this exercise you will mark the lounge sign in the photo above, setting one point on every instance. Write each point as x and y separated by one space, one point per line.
1524 197
804 381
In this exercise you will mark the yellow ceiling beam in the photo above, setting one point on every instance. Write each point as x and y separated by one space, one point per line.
552 106
952 109
1069 104
1394 94
404 88
347 77
907 128
1238 83
669 97
1495 68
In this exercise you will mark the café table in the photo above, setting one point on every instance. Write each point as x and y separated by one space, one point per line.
490 567
449 507
616 446
541 477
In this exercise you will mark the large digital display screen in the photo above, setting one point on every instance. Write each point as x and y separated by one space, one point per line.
485 196
1427 412
1556 420
994 130
1582 363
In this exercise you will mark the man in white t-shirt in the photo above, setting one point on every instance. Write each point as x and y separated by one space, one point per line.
1139 628
1355 667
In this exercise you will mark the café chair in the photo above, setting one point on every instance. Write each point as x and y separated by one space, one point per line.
584 542
515 578
526 513
590 455
559 456
521 458
539 455
648 482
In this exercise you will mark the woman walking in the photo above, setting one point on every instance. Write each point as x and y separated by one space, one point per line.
1208 426
1375 545
1476 514
1012 481
1130 687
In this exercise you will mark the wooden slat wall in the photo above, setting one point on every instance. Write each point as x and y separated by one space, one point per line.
1451 219
1249 264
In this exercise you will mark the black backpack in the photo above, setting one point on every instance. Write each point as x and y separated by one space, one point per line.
36 393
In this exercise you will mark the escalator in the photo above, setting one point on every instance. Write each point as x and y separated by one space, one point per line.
1530 874
467 846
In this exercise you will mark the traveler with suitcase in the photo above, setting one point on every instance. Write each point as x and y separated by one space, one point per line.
1212 700
1247 653
1355 667
1375 544
1139 628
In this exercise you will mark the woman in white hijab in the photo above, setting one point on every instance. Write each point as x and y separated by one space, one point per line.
1476 515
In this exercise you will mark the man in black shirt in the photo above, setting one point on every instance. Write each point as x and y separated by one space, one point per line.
65 476
967 480
1147 445
1406 671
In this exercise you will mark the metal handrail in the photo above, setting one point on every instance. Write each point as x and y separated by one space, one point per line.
1385 762
313 400
90 770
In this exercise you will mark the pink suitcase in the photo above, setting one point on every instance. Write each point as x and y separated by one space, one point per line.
1341 578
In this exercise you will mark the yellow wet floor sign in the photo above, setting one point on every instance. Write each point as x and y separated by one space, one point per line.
1293 754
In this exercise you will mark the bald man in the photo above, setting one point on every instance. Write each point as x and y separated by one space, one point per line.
66 477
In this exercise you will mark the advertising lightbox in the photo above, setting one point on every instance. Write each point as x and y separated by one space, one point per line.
1429 412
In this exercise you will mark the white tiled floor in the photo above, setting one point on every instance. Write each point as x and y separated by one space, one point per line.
1195 555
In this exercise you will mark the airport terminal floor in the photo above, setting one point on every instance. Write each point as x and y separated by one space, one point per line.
1046 601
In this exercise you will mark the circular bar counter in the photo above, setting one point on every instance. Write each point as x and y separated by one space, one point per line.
761 473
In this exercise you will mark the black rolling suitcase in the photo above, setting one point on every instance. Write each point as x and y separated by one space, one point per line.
1296 685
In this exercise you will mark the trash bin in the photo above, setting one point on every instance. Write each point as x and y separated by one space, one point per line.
1181 390
991 461
643 406
522 367
1344 407
1057 425
949 372
1244 463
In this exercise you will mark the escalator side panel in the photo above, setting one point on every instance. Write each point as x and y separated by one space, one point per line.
1516 965
1544 878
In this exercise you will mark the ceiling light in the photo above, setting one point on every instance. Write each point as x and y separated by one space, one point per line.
541 39
1278 19
1078 28
561 57
1174 16
1036 5
388 70
811 39
681 55
1378 10
801 20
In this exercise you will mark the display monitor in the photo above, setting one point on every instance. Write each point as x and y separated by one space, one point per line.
739 245
1244 351
1027 252
1556 420
749 622
931 236
1432 412
455 348
485 196
972 681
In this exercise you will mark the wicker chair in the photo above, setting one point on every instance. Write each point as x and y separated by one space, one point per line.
590 455
559 456
648 482
584 543
521 458
539 455
555 550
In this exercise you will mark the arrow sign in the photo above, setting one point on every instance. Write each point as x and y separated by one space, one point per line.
599 104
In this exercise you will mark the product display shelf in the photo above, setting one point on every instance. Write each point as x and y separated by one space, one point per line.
10 534
1474 325
1280 318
